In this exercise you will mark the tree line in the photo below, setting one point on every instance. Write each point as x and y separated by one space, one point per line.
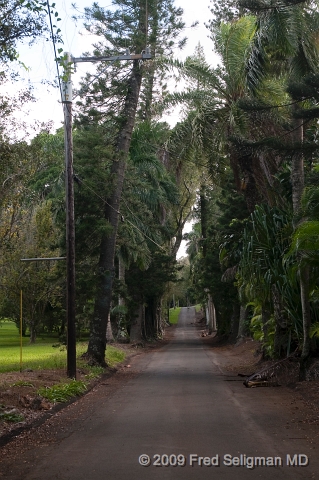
132 198
244 154
254 246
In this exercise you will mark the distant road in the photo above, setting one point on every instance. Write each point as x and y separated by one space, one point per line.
177 408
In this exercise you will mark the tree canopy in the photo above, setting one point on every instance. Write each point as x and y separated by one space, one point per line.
241 164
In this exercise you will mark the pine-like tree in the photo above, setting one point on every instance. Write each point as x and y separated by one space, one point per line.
112 98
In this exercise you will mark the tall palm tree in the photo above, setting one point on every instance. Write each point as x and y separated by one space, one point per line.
288 30
218 124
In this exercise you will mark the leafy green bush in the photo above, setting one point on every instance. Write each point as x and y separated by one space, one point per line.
11 417
94 372
62 391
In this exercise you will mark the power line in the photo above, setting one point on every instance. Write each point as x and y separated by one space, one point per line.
54 48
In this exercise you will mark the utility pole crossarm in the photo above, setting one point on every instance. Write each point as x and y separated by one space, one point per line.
145 55
41 259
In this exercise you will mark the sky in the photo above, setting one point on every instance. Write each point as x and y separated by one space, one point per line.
42 68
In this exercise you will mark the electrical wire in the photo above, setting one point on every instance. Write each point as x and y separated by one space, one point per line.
146 22
54 48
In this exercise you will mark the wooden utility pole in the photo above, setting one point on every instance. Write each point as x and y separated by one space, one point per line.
70 228
69 187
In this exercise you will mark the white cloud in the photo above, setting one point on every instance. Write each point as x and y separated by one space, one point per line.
40 59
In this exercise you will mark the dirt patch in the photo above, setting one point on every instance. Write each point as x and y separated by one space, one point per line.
244 358
26 445
19 397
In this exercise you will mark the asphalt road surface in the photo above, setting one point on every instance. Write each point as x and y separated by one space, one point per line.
183 418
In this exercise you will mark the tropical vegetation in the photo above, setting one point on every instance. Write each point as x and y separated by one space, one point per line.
241 164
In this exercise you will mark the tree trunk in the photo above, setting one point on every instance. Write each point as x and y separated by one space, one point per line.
297 169
280 323
160 317
179 234
97 341
62 328
203 216
265 316
211 315
122 280
304 285
242 328
136 325
234 322
33 333
152 320
306 321
109 333
248 182
24 329
148 92
120 317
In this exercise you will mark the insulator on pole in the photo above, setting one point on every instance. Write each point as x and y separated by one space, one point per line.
67 92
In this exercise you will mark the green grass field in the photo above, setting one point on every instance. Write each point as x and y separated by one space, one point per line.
40 355
174 314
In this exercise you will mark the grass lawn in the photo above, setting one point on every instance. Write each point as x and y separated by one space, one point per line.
40 355
174 314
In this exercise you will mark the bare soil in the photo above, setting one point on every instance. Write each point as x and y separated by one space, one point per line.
244 359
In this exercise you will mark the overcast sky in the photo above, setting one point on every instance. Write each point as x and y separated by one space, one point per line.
40 57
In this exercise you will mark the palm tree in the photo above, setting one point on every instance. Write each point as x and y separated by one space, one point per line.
262 277
288 31
304 247
220 129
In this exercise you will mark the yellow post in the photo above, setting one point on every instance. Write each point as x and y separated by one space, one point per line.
21 331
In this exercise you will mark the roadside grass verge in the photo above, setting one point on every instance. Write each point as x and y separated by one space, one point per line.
42 355
62 392
174 314
114 355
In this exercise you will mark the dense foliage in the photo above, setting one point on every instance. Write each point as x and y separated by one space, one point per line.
264 108
242 163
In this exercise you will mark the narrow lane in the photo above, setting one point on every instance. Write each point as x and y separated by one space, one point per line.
179 405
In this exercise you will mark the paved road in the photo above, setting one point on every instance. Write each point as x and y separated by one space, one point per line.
180 404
